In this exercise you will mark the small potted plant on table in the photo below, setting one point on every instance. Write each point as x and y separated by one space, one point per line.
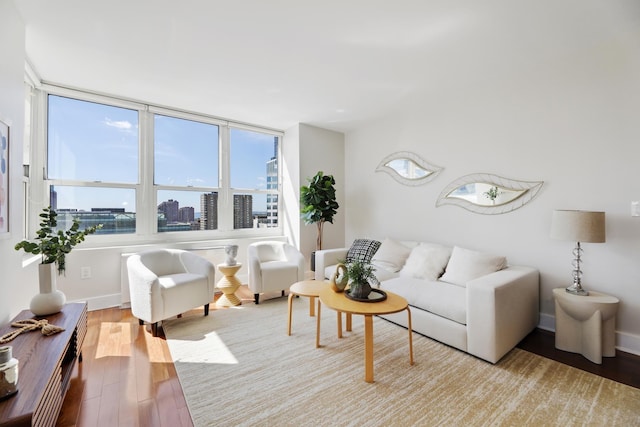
360 274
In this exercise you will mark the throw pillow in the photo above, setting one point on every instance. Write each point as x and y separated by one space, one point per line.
466 265
426 261
362 250
391 255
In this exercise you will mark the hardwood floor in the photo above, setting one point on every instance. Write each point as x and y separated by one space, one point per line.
127 377
624 368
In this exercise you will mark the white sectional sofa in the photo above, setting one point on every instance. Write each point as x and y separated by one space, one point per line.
467 299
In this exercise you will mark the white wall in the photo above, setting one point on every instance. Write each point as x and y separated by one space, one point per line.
16 288
570 120
322 150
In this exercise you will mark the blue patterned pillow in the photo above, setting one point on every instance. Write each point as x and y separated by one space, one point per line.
362 250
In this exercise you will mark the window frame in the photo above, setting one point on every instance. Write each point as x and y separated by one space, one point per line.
146 189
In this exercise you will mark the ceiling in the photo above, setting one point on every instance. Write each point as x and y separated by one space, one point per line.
331 63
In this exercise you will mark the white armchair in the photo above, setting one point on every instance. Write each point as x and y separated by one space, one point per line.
167 282
273 266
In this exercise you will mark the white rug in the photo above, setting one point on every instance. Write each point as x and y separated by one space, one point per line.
238 367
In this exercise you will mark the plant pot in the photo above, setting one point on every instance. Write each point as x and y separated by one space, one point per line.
50 300
360 290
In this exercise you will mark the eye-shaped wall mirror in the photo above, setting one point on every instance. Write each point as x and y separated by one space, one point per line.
488 194
408 168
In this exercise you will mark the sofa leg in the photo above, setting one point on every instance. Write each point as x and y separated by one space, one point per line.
140 322
154 329
282 293
256 298
206 309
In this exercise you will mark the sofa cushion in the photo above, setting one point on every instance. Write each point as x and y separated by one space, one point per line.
442 299
465 265
426 261
362 250
391 255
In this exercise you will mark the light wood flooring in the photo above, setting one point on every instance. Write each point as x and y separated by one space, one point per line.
127 377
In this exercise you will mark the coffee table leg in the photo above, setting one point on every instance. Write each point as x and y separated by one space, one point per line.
318 325
410 336
339 324
348 322
312 301
290 309
368 348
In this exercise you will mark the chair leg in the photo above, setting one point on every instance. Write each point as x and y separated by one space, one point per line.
154 329
140 322
256 298
206 309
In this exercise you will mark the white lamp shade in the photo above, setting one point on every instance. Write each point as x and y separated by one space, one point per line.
578 226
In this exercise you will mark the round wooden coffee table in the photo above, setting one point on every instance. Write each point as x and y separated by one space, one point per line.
393 304
311 289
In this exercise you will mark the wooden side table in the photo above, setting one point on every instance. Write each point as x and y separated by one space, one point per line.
311 289
228 285
586 324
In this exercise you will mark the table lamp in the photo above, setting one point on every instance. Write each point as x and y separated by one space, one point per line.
578 226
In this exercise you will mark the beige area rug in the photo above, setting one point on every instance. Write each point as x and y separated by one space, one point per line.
238 367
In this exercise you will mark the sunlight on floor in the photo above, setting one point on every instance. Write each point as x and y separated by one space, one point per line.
214 352
115 339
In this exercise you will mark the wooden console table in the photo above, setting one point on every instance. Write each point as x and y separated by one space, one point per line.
45 365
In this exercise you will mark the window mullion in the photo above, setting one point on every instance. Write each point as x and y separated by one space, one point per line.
225 198
146 206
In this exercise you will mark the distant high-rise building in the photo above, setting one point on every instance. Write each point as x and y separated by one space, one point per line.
209 211
242 211
170 210
186 214
272 184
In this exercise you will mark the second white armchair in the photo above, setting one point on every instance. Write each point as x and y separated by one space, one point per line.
273 266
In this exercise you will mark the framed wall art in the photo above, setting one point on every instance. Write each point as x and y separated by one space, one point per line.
4 177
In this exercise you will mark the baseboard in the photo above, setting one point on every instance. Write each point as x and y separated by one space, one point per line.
628 343
102 302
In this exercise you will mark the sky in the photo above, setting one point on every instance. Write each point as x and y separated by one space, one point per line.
99 143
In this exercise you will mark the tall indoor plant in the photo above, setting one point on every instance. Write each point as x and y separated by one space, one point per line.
318 205
53 246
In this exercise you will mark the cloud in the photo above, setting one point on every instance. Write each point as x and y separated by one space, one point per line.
122 125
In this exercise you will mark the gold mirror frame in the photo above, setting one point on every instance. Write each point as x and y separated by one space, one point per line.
412 174
502 194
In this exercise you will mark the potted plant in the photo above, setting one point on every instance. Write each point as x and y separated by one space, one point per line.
53 246
360 274
318 205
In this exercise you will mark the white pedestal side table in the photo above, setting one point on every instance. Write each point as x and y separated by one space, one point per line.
228 285
586 324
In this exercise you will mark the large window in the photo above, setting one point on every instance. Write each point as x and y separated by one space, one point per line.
186 172
93 163
254 178
147 170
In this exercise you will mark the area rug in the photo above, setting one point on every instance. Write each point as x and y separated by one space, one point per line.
238 367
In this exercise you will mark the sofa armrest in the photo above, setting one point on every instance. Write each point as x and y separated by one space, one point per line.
502 308
327 257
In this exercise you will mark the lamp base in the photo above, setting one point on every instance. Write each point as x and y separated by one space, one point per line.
576 289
